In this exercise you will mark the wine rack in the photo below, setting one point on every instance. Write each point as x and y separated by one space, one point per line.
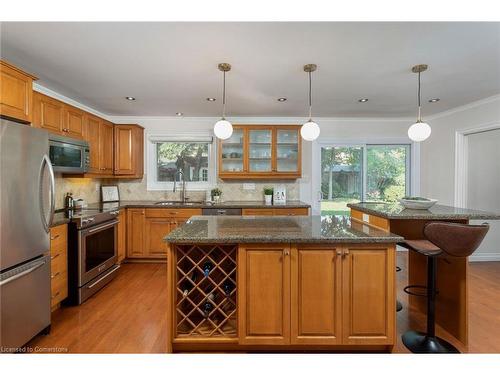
206 291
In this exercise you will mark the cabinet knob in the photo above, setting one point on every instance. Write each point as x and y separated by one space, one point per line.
55 237
339 252
286 252
346 252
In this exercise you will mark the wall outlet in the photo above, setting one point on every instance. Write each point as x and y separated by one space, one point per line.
249 186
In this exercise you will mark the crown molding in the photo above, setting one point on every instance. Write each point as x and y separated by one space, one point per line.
53 94
464 107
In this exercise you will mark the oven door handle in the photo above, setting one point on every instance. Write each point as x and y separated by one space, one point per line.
107 225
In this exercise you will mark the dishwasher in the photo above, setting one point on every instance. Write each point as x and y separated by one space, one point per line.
221 212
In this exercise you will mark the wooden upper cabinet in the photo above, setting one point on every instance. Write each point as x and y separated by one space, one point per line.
368 273
261 152
129 150
316 296
106 145
264 294
74 122
48 113
93 137
16 94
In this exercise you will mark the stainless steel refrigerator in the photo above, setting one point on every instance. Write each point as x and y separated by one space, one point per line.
26 213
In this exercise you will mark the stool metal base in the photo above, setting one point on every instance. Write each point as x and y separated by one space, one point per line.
419 342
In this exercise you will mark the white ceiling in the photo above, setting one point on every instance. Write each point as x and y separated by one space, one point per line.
172 67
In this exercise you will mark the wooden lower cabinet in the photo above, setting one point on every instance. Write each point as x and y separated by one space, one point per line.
369 294
316 294
264 294
58 265
147 227
122 235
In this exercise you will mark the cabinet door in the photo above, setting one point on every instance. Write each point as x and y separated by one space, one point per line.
16 95
135 233
287 150
48 113
369 294
124 150
260 150
258 212
74 122
122 236
231 153
264 294
316 296
156 230
106 147
93 138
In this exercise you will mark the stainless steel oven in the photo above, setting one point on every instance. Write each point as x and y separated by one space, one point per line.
93 240
97 250
68 155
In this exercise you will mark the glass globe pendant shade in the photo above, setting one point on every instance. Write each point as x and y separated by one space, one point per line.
309 131
419 131
223 129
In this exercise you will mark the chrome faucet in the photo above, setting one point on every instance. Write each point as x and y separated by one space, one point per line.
183 191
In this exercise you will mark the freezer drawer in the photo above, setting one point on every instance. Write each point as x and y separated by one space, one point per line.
25 302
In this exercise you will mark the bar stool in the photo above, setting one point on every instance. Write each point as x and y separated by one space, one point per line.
442 239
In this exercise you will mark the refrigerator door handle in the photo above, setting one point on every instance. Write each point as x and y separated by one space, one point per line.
46 163
21 274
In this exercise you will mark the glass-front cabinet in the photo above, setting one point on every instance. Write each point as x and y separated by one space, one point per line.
261 152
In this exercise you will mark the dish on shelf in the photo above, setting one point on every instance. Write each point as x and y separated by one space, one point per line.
417 203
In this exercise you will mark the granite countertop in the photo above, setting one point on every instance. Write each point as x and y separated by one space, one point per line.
436 212
277 229
61 218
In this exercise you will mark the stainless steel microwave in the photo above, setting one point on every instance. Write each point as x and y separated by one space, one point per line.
68 155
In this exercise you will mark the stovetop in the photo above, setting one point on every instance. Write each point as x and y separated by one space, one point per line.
89 216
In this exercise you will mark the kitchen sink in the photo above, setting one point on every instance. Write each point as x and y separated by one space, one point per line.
177 203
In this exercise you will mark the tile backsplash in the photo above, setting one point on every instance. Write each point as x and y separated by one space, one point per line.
89 189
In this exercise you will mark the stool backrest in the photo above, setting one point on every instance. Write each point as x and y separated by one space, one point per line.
458 240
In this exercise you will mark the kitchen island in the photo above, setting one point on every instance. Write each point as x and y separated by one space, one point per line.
280 284
452 273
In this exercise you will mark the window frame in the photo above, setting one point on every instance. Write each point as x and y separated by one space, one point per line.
152 184
412 162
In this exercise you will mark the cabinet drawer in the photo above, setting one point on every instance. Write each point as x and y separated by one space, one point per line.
59 288
258 212
291 211
172 212
58 263
58 236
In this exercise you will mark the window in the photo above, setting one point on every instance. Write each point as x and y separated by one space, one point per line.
369 172
168 159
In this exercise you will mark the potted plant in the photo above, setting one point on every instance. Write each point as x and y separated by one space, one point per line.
268 195
216 194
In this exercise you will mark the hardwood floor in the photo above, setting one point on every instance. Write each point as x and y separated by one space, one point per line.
128 316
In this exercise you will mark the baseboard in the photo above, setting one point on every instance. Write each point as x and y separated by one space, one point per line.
492 257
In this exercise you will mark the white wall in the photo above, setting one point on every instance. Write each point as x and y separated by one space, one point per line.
438 161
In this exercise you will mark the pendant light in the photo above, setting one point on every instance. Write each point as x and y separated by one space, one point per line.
310 130
223 128
420 130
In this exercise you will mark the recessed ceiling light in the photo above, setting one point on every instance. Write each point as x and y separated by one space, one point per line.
434 100
363 100
211 99
281 99
129 98
179 114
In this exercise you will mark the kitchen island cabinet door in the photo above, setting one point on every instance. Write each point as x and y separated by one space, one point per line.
264 294
316 295
156 229
369 294
135 233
